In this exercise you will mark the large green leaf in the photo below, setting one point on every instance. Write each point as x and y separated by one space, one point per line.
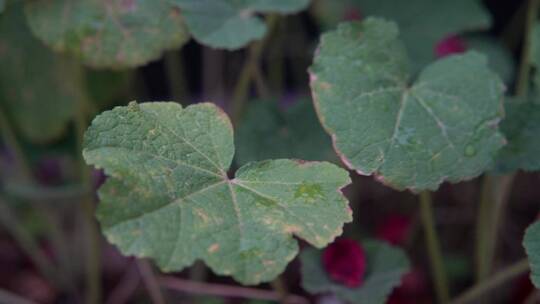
38 89
268 132
108 33
169 196
531 242
521 127
231 24
385 267
441 127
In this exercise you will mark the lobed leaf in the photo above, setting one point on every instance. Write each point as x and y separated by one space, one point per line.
385 267
521 127
268 132
442 127
39 90
108 34
531 242
169 197
232 24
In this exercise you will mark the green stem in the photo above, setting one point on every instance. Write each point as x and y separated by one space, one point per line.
11 298
494 281
522 84
27 243
175 75
93 253
281 289
434 247
483 225
8 134
150 282
255 51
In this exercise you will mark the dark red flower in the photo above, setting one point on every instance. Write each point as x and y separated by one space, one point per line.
452 44
345 262
394 229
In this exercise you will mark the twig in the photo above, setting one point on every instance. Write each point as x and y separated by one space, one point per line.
150 282
279 286
227 291
175 76
434 247
501 277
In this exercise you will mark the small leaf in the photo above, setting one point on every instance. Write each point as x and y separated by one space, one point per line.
521 127
38 89
386 265
169 196
232 24
108 33
531 242
267 132
415 136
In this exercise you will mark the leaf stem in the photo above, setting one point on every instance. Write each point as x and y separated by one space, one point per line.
8 134
175 76
27 243
11 298
279 286
93 253
249 69
501 277
434 247
150 282
522 83
226 291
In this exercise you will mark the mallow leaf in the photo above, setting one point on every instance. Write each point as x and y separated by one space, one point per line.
531 242
268 132
232 24
410 134
521 127
39 90
500 59
108 33
169 197
385 267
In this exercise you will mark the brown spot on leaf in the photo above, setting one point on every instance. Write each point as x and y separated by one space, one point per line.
213 248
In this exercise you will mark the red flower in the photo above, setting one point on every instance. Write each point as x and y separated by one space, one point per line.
345 262
450 45
394 229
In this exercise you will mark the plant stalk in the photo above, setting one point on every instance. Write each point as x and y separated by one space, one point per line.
434 248
150 282
495 281
522 83
175 76
281 288
93 251
249 69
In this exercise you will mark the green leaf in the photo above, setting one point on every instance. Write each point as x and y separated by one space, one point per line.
267 132
38 89
521 127
105 33
2 5
169 196
500 59
106 87
441 127
232 24
385 267
531 242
